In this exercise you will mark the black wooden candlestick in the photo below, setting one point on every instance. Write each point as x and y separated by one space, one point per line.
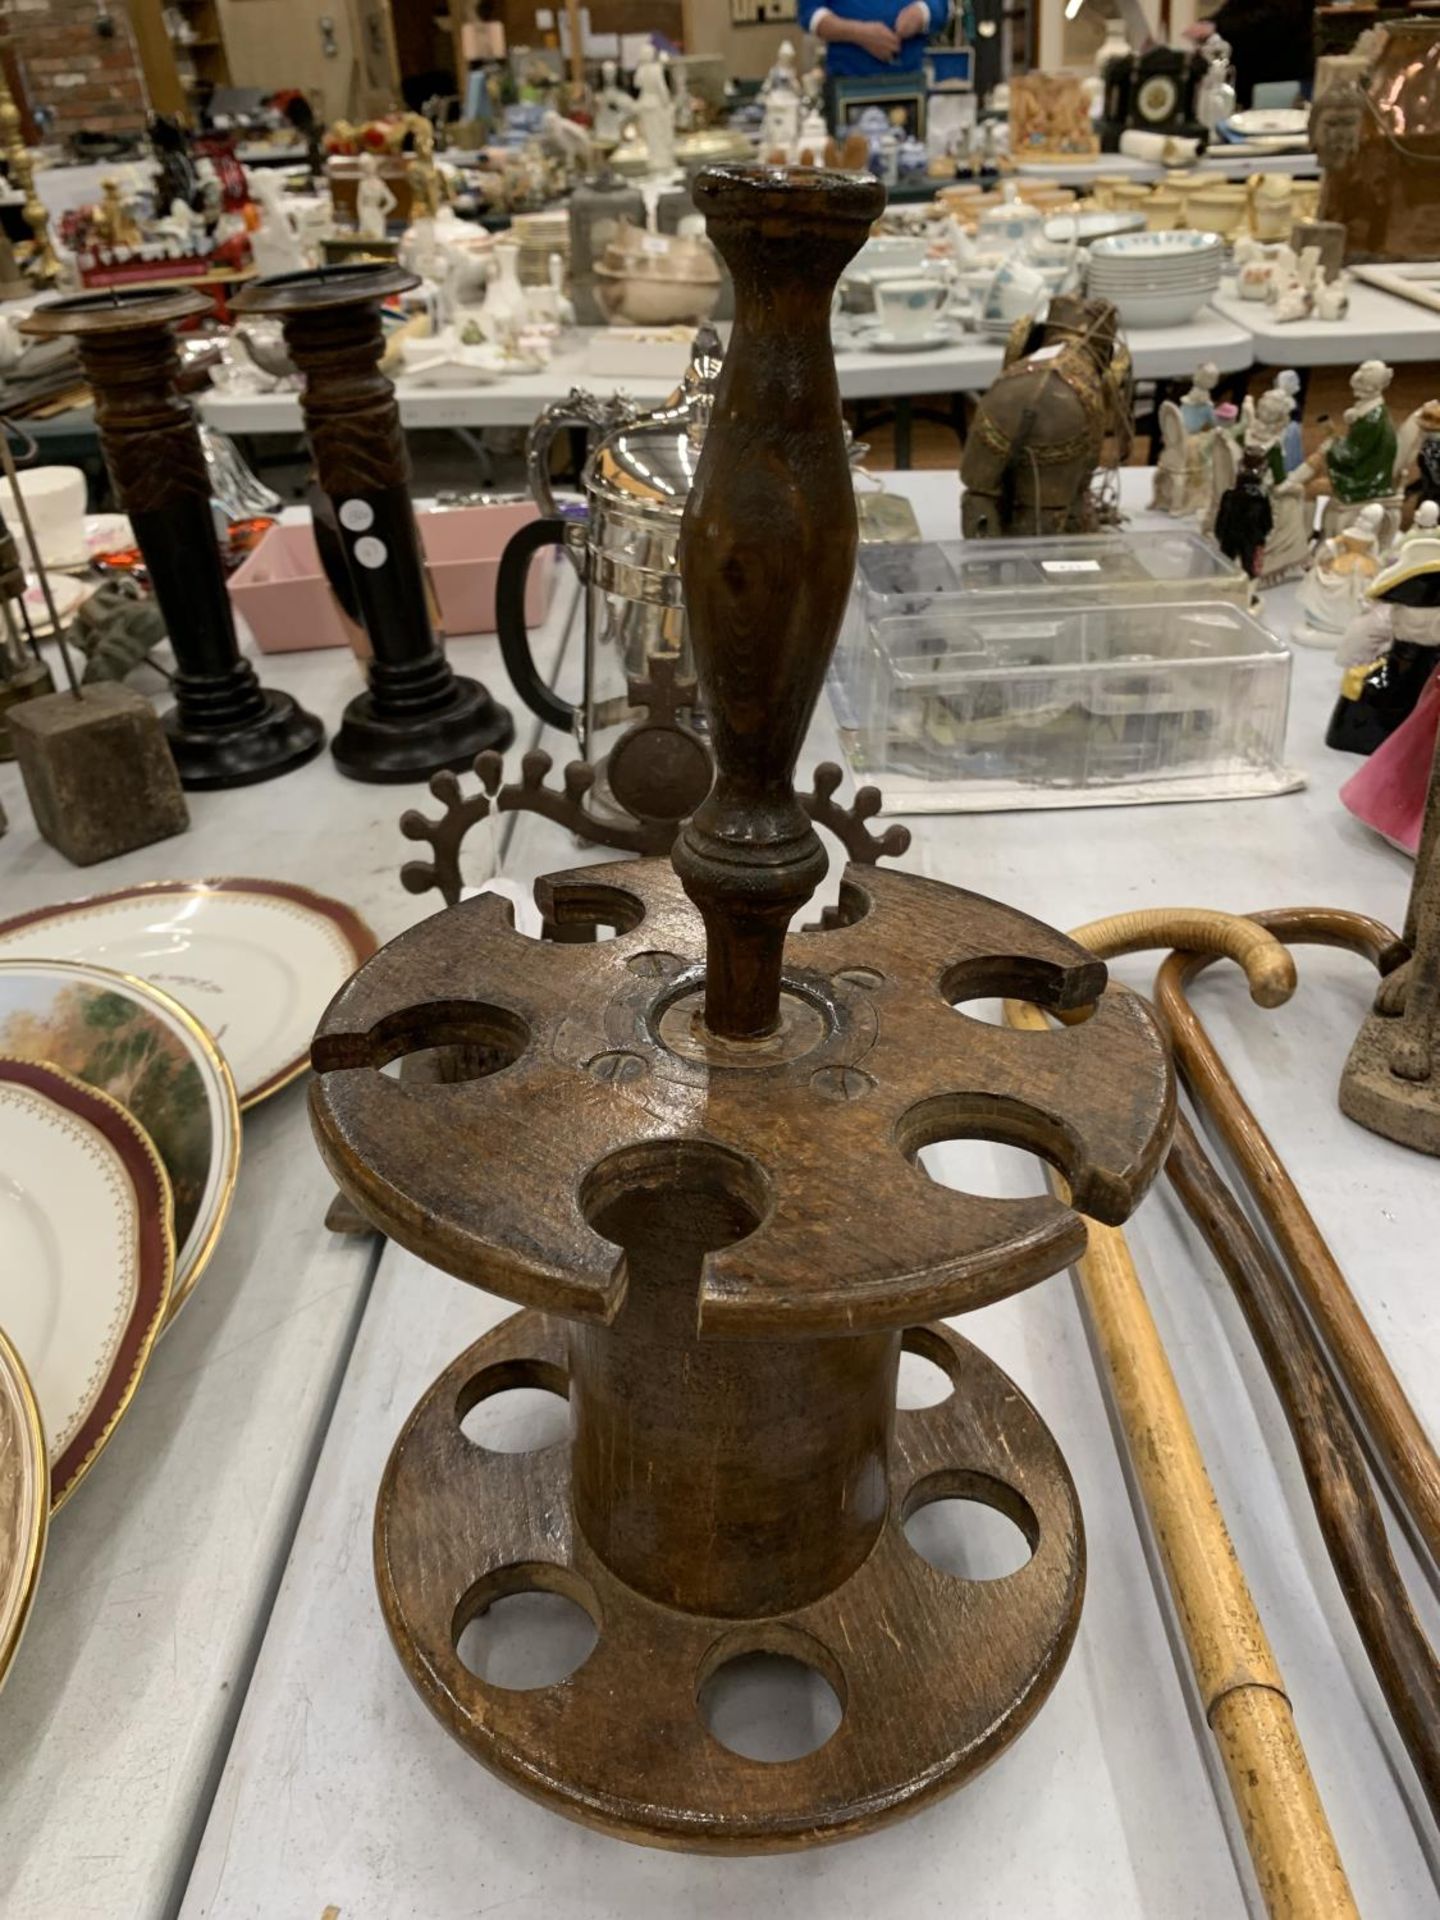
225 729
417 715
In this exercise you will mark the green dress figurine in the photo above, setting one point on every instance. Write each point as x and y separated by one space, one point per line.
1361 461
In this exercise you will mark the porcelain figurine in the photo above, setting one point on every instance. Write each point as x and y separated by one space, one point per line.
781 98
184 226
1333 591
1184 472
1388 654
655 112
1254 464
274 244
373 200
1360 462
115 223
614 108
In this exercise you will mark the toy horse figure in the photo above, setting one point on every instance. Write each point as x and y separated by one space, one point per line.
1040 430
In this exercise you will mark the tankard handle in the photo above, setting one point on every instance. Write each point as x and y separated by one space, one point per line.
515 648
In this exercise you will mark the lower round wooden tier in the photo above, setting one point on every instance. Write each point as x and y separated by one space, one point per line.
935 1674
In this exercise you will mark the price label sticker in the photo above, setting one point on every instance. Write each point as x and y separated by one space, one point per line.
655 243
1070 566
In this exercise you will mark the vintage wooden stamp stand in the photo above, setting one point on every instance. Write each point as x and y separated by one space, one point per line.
691 1152
417 714
225 729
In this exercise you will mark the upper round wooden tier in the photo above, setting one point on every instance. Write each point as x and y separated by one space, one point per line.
592 1073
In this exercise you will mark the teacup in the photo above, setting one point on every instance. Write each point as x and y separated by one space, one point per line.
910 306
55 497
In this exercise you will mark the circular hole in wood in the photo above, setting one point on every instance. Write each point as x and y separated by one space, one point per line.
925 1379
442 1043
971 1525
772 1694
983 1167
979 987
695 1195
518 1407
526 1626
983 1144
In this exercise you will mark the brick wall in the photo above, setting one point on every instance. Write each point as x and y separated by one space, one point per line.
87 82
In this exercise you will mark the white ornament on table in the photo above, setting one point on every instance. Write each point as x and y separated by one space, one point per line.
781 99
274 244
1185 471
504 311
1333 591
373 200
655 112
182 225
314 224
614 108
570 142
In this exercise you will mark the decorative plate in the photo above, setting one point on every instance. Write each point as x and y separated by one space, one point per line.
135 1043
255 961
1263 121
24 1500
87 1256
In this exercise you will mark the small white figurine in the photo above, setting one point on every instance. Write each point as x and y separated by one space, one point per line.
780 96
183 226
274 244
373 199
570 142
1184 472
655 112
614 108
1333 591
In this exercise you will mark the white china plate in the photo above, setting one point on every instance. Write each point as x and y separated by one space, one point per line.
135 1043
885 340
24 1500
87 1256
1263 122
255 961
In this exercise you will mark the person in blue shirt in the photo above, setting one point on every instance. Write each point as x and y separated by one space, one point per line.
866 37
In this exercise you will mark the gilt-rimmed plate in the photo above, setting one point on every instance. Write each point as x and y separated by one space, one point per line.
24 1500
255 961
134 1042
87 1256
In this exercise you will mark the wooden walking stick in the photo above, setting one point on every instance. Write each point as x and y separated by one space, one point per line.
1391 1423
1330 1455
1287 1834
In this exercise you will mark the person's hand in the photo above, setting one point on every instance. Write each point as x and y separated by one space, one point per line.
912 20
878 40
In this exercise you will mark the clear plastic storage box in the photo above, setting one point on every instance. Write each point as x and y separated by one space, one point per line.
970 680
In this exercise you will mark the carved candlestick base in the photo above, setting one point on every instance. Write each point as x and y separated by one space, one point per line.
225 729
417 715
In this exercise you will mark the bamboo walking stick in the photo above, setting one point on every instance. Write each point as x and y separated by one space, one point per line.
1394 1428
1297 1865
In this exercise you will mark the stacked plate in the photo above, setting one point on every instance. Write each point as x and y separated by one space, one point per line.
1155 279
120 1146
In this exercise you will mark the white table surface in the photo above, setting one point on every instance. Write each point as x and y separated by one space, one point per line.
1378 326
341 1792
515 399
160 1572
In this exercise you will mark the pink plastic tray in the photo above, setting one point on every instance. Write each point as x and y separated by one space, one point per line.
283 594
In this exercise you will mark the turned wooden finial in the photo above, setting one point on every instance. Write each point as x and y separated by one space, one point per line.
767 550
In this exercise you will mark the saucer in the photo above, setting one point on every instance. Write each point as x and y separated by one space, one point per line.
886 340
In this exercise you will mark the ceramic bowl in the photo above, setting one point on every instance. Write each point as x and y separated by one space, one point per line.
638 300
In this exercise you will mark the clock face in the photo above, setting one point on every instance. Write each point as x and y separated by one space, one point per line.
1158 98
